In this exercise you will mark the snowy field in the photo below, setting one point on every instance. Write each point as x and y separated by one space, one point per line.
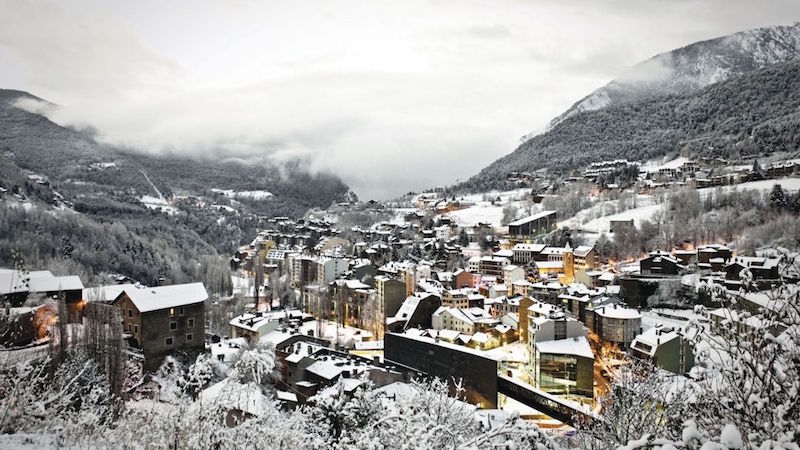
484 212
647 208
157 204
254 195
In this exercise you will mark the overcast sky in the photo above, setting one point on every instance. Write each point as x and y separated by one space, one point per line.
391 96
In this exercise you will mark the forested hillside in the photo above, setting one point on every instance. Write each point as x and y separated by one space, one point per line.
71 200
695 66
756 113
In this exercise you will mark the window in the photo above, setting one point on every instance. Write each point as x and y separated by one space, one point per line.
173 325
136 328
190 322
130 313
188 337
169 341
180 310
172 312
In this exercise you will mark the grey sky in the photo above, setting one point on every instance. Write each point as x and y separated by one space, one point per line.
391 96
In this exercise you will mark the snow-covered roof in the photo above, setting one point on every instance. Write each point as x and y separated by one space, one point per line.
577 346
536 248
504 253
286 396
228 347
44 281
652 338
162 297
555 250
37 281
352 284
325 369
615 311
106 293
480 338
254 321
449 335
543 309
536 216
502 329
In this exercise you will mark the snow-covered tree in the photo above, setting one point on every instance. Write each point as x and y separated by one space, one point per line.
749 367
643 401
256 365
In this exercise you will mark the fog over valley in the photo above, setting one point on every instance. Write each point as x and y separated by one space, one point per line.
390 97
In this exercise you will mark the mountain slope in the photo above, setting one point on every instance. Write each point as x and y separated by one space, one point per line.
68 199
754 113
695 66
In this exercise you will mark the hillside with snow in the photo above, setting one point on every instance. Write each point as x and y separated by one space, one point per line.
695 66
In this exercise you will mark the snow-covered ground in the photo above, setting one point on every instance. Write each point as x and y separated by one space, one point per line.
791 184
483 211
254 195
602 224
596 218
647 208
157 203
655 166
505 196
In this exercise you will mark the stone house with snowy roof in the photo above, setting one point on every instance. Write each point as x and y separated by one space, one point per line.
660 263
160 320
16 286
760 267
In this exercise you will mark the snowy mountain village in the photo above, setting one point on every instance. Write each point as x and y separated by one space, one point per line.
661 296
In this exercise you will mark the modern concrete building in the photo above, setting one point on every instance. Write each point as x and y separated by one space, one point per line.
615 323
565 366
532 226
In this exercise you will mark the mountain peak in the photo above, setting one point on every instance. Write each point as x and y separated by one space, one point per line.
695 66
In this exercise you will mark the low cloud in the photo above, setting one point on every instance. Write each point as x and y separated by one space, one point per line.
391 97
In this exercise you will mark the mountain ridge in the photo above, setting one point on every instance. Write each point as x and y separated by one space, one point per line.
652 119
695 66
161 214
754 114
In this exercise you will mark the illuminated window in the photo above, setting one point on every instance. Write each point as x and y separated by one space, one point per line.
172 312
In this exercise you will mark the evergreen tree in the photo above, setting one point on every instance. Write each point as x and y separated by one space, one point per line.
777 198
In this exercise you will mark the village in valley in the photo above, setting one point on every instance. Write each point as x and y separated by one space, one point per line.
533 302
417 225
